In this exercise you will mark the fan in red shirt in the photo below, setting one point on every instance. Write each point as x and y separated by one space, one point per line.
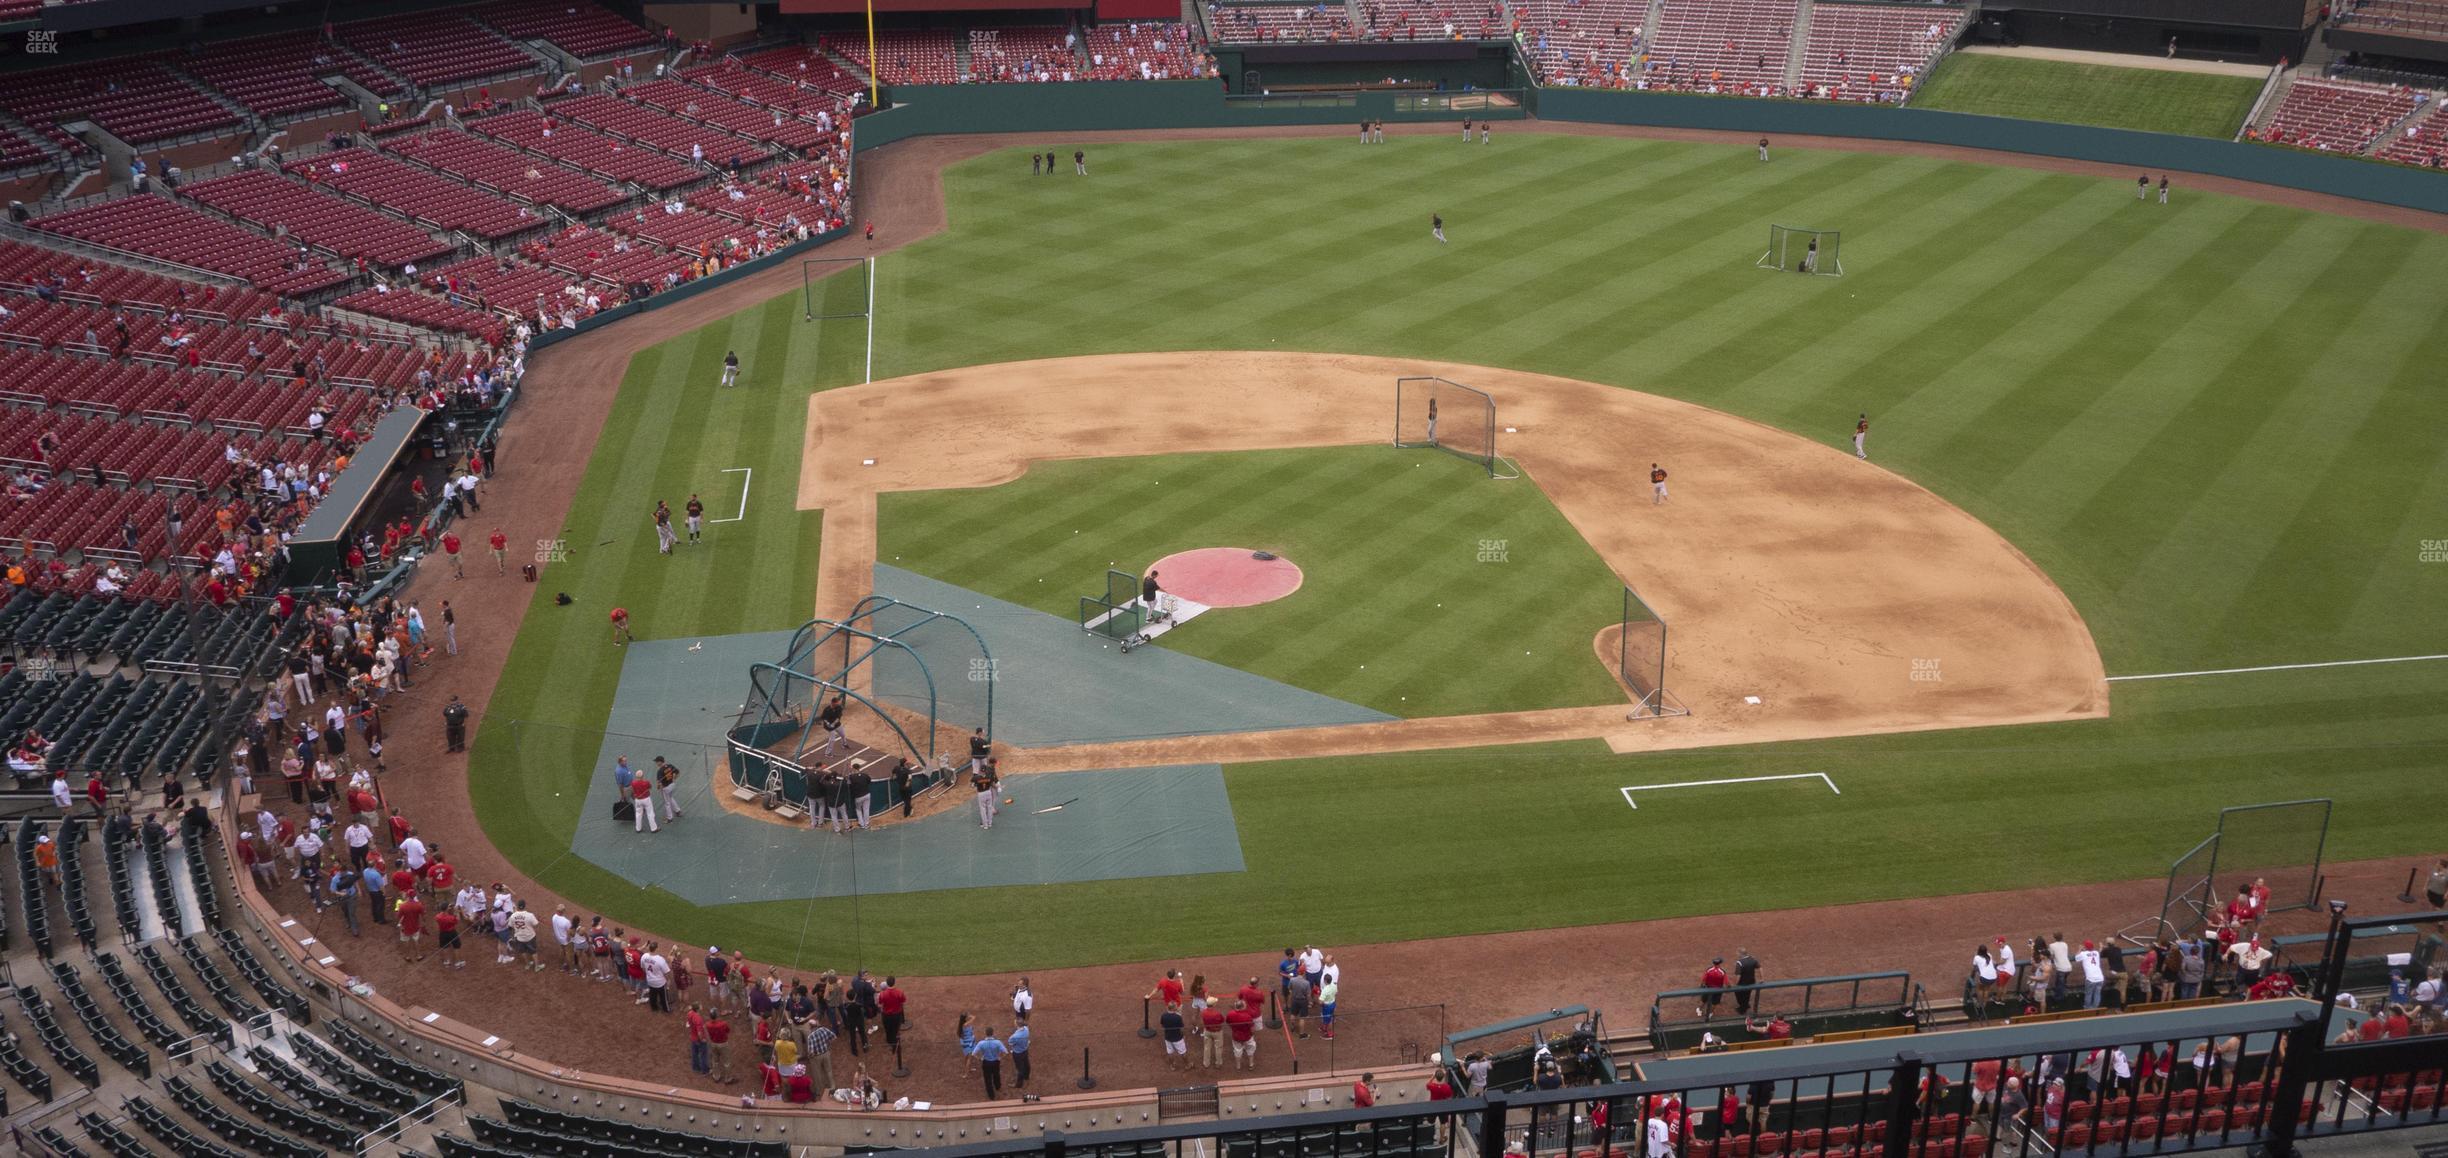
1437 1088
439 873
1168 989
1252 997
411 914
1713 979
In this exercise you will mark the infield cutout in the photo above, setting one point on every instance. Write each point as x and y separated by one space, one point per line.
1628 790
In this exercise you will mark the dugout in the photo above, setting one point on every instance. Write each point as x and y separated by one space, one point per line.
1572 1034
1823 1092
1816 1006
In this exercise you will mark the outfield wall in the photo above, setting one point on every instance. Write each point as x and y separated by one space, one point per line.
2363 180
917 110
923 110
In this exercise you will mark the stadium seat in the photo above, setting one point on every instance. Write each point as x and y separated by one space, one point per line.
2337 116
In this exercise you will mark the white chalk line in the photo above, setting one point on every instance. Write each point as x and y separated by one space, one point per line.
1819 776
2219 671
744 485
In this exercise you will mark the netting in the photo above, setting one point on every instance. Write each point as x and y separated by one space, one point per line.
2191 893
834 287
2279 845
933 664
1435 412
1641 657
1796 250
913 682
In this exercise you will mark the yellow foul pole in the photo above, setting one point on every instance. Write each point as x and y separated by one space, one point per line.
874 99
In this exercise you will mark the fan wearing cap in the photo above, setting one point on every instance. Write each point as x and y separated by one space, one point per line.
2094 978
46 858
1712 979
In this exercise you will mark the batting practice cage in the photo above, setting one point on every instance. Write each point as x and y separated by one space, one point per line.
1447 415
1640 658
2279 845
1791 249
1116 614
838 289
913 684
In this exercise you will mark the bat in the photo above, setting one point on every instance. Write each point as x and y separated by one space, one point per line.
1053 808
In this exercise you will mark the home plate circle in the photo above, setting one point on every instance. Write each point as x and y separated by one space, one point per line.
1226 576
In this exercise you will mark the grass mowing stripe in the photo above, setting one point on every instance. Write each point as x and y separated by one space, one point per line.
2159 100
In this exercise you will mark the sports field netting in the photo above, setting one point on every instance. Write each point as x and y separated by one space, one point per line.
1446 415
2278 844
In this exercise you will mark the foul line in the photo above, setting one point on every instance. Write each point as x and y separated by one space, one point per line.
871 275
744 485
1820 776
2177 675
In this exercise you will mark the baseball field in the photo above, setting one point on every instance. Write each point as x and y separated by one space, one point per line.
2208 424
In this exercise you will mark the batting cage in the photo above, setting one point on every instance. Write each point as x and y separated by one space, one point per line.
1798 250
1449 416
910 683
1640 658
2278 845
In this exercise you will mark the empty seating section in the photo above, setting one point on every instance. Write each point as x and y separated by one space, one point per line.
17 151
662 130
774 199
417 309
268 200
134 388
2414 17
802 64
1590 43
595 152
283 75
436 48
156 228
1164 48
1723 46
1864 52
763 124
1026 53
902 55
2425 143
139 101
765 90
688 229
487 283
1284 22
271 350
1433 19
424 195
582 30
2335 116
605 257
505 169
71 278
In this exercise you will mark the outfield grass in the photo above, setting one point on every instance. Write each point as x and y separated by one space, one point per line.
2158 100
1427 589
2213 423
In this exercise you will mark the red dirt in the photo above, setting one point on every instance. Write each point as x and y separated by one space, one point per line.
586 1026
1226 576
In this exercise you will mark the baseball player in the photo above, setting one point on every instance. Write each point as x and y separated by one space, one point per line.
980 750
696 517
1432 422
1763 148
1436 225
830 719
1466 130
1861 437
1483 132
1657 484
664 537
982 778
2141 186
730 368
2163 189
1079 162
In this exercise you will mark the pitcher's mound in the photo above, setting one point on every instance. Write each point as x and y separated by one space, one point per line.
1226 576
